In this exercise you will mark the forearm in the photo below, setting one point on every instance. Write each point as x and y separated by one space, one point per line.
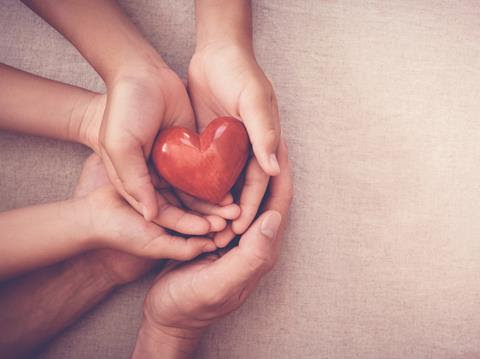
39 235
102 33
152 342
223 21
39 305
39 106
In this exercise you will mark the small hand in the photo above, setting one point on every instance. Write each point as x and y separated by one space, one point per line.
113 223
122 125
121 267
187 298
138 104
226 80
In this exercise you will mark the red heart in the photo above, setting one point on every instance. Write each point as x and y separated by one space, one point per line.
207 165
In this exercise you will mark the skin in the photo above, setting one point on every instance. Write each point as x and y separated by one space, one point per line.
224 79
143 94
95 220
187 298
132 70
51 298
40 235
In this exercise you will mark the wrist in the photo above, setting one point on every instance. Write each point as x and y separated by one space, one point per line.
144 66
155 340
88 128
89 267
223 23
82 220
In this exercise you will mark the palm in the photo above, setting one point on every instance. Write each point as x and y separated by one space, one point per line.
215 84
226 81
122 266
181 298
137 108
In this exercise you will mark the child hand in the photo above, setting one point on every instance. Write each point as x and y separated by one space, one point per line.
113 223
134 109
225 79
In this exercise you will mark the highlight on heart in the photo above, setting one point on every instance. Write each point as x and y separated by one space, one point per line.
205 211
206 165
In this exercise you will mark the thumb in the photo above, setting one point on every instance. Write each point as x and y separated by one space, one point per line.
256 244
259 112
130 167
251 258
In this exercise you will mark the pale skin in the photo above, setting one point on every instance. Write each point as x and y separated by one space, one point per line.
49 299
144 95
187 298
224 78
101 219
52 298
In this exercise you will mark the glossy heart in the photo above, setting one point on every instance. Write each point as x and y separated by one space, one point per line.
207 165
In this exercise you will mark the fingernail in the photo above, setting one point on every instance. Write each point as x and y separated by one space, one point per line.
271 224
274 163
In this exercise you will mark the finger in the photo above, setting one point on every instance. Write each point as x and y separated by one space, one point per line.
178 219
117 182
131 167
259 112
224 237
230 211
281 187
167 246
254 187
258 247
217 223
249 260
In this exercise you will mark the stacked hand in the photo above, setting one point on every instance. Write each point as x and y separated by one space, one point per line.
186 298
135 212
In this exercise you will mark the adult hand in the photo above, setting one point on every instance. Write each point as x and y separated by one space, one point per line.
143 94
190 297
225 79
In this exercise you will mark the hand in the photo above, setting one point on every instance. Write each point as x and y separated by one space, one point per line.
225 79
129 117
113 223
188 298
120 267
138 106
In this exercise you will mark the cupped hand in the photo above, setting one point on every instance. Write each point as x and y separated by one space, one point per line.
121 267
138 105
225 80
114 224
187 298
121 126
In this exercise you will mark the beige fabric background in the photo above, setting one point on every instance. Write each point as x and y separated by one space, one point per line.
380 103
